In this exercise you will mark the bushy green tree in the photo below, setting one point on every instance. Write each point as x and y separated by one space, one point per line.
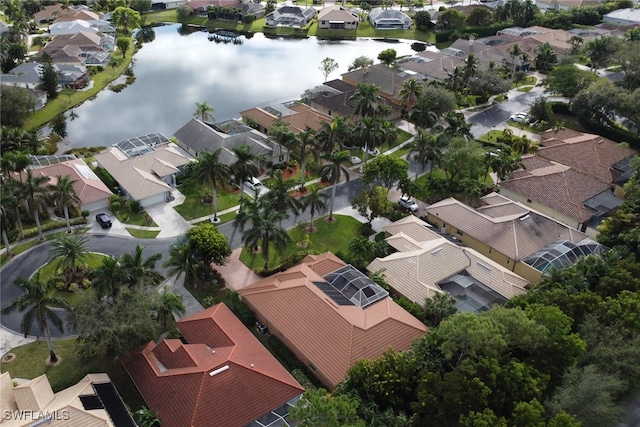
17 104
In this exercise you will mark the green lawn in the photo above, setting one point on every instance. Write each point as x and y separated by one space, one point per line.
138 218
334 237
143 234
50 270
30 363
193 207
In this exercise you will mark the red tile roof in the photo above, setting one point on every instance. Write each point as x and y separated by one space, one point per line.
329 336
174 378
587 153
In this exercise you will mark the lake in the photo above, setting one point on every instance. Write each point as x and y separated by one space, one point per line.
174 72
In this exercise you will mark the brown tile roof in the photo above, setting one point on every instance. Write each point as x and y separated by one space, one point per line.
515 235
388 79
72 15
556 186
176 382
433 65
87 185
302 118
331 337
591 154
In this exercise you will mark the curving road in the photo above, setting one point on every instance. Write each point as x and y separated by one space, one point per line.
27 263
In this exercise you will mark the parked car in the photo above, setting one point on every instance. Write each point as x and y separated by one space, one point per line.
253 183
407 203
355 160
104 220
373 151
520 118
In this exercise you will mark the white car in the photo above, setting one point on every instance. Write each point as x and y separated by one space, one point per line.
407 203
253 183
372 152
355 160
519 118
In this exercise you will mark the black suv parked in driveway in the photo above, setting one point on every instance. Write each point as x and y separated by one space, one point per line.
103 220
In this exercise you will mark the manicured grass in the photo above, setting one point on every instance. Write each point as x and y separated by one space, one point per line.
143 234
193 207
401 152
568 121
137 218
330 236
490 137
30 363
51 270
525 89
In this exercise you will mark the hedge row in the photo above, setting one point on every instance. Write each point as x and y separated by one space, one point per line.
484 31
31 232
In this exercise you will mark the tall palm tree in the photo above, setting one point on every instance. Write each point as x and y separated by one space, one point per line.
181 259
333 170
365 99
304 140
108 278
457 125
368 133
167 303
36 190
411 90
388 133
423 113
8 211
140 270
332 136
244 167
35 303
455 80
64 193
599 51
545 57
265 231
426 147
70 250
204 111
514 52
210 170
279 195
470 67
314 201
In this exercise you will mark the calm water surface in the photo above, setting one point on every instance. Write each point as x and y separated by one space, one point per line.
174 72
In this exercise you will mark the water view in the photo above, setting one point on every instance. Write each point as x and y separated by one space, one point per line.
174 72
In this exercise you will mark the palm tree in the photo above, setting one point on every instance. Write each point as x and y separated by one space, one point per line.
365 98
315 201
455 80
332 136
426 148
599 50
265 231
423 114
64 193
9 210
457 126
388 133
368 133
279 195
576 42
147 418
361 249
204 111
36 191
333 170
139 270
181 259
210 170
545 57
108 278
470 67
304 140
70 250
514 52
244 167
167 303
410 91
35 303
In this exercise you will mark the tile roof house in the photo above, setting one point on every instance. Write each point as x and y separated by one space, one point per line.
622 17
300 117
389 19
564 4
28 75
146 173
199 7
92 402
48 13
511 234
590 154
291 16
93 193
219 375
81 48
70 14
429 65
70 27
427 263
337 18
388 79
331 315
196 136
334 98
561 192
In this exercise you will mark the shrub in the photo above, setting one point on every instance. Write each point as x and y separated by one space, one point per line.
73 287
413 308
380 236
107 178
85 213
135 206
248 19
85 283
30 232
60 285
115 206
366 230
